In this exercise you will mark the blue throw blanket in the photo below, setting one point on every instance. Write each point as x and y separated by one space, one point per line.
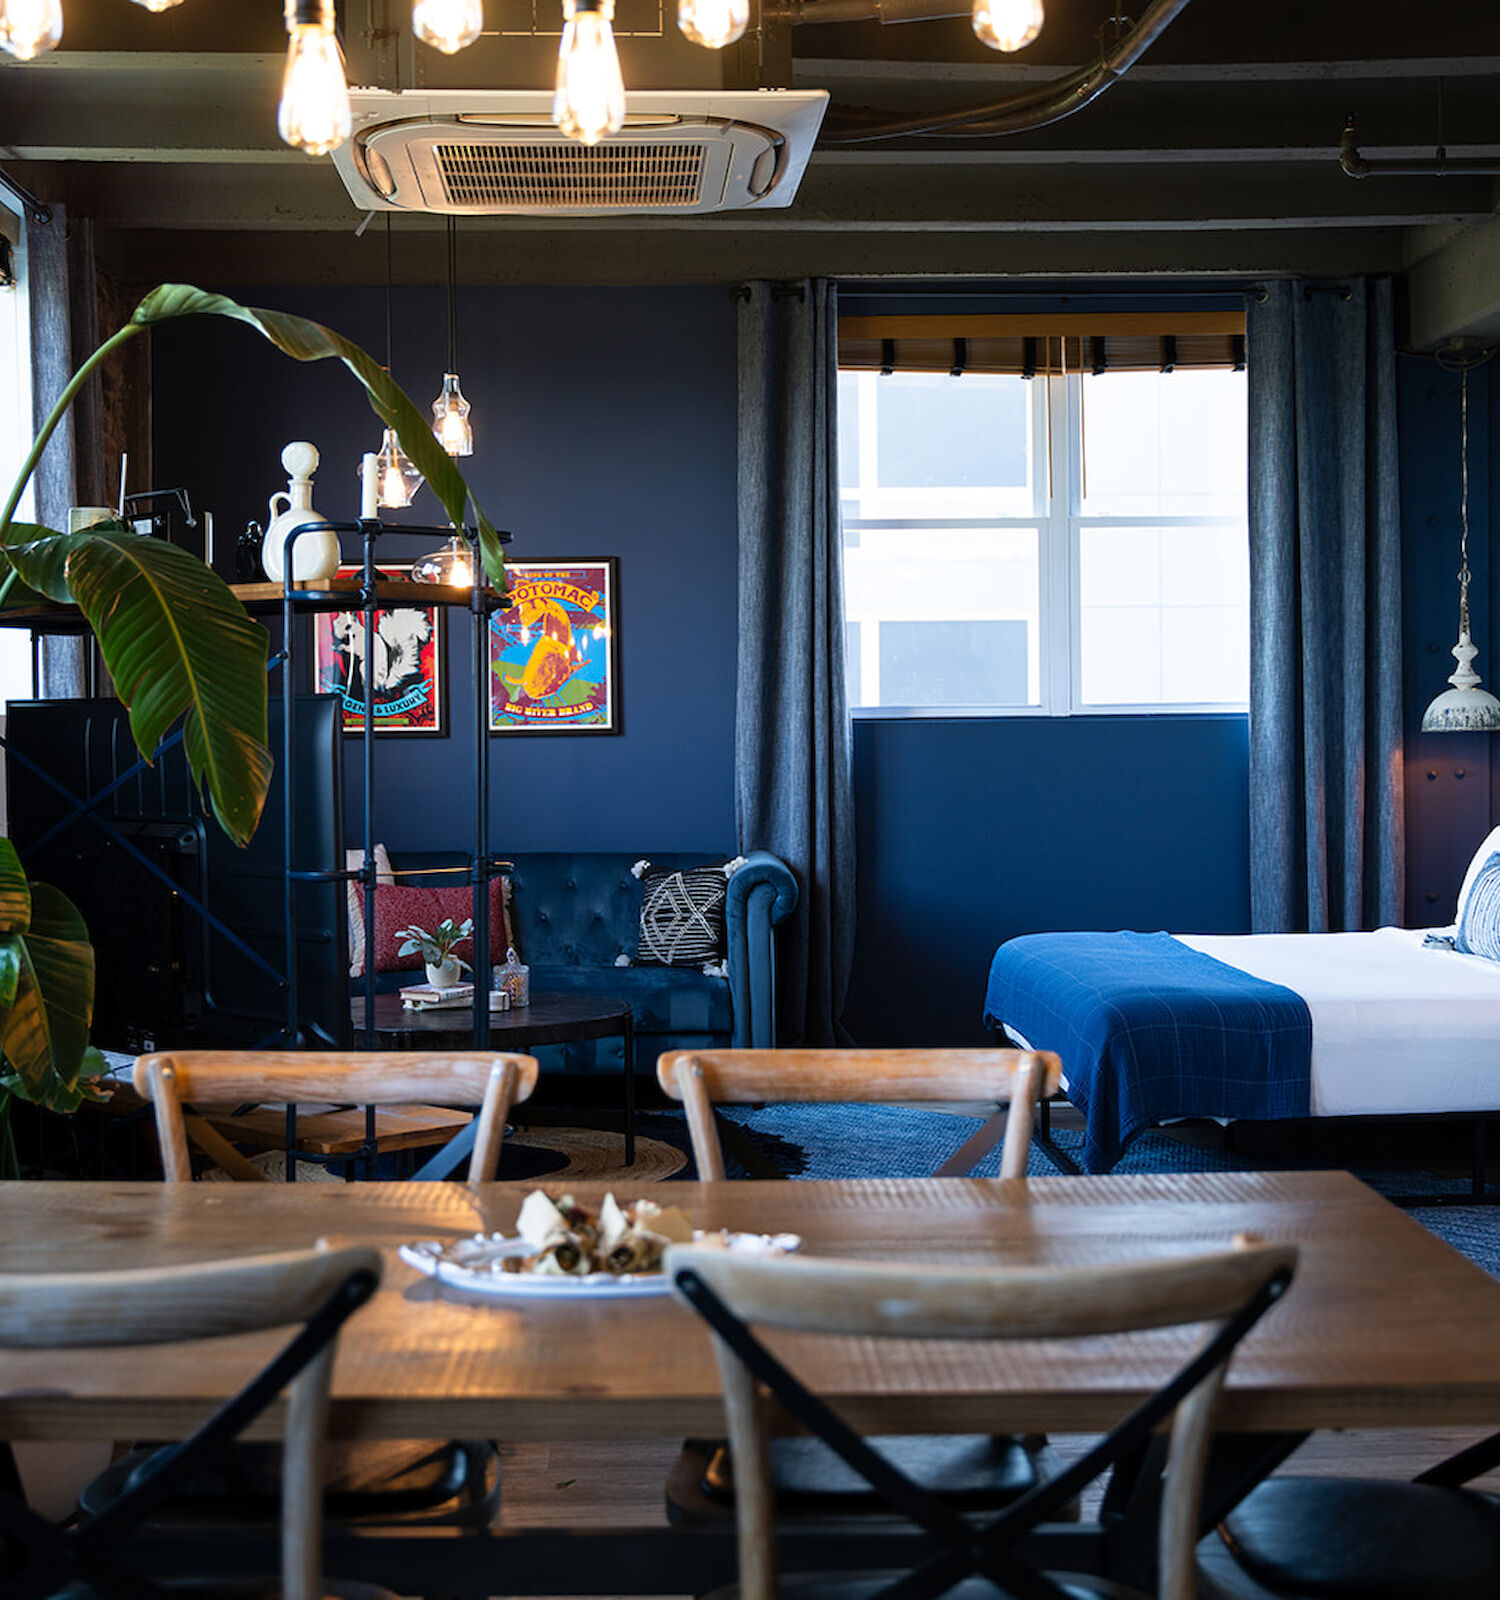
1149 1029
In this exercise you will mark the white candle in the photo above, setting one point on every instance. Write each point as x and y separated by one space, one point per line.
369 483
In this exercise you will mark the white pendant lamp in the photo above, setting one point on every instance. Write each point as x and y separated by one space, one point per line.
450 411
1465 708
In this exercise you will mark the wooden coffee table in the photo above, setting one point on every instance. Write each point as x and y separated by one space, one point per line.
549 1019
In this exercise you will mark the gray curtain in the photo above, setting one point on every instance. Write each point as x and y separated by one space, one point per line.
793 792
1326 826
64 329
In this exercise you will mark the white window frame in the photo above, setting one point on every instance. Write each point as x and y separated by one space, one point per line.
1056 413
16 406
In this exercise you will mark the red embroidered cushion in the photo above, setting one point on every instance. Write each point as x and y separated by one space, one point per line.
401 906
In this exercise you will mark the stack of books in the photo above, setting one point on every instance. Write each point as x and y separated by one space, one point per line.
423 997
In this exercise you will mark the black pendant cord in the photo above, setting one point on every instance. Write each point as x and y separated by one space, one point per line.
388 361
452 295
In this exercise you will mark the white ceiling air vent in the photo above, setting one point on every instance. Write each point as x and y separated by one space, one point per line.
496 153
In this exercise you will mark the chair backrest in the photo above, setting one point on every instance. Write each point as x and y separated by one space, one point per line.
318 1288
492 1080
1227 1290
701 1079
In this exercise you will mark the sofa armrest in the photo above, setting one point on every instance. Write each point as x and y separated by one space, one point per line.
762 894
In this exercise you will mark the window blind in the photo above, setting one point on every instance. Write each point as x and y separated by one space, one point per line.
1018 344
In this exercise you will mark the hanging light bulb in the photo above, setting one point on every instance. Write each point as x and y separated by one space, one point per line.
314 112
28 27
450 411
1465 708
713 23
590 97
447 25
397 476
1008 24
453 564
158 5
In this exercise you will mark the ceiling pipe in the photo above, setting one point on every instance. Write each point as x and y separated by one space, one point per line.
1030 108
1357 166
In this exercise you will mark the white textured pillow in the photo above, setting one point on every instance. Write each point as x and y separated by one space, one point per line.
355 859
1481 855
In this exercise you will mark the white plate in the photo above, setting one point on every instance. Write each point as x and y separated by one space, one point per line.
474 1264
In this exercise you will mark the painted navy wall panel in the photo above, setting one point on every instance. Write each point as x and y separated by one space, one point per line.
604 425
972 831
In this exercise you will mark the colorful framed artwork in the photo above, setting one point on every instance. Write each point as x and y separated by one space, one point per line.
554 652
406 662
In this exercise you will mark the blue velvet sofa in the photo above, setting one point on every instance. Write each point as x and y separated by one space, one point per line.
575 914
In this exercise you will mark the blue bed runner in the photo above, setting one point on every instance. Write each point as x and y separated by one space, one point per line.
1149 1029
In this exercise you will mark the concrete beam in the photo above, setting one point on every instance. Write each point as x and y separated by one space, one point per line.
1454 292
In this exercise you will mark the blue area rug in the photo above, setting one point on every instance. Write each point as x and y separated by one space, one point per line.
803 1141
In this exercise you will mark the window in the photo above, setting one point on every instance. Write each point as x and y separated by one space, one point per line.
1060 544
15 435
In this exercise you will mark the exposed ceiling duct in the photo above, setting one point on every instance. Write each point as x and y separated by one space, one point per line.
495 152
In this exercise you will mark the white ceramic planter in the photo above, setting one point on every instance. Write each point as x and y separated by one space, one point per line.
443 977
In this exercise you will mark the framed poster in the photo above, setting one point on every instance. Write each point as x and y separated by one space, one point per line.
554 653
406 663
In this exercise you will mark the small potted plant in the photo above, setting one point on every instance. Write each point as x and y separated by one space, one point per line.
443 967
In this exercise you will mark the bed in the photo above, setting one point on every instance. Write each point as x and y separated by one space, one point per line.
1152 1027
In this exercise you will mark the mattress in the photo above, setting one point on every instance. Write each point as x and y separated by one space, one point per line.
1397 1027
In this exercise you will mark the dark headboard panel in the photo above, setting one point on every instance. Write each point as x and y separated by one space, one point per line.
166 977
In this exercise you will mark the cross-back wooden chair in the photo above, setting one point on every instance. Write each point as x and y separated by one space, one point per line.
317 1288
177 1082
1016 1079
977 1472
1226 1290
426 1482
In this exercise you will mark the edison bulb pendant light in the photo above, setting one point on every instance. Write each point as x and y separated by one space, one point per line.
314 113
158 5
30 27
453 565
590 97
713 23
447 25
1008 24
397 476
450 419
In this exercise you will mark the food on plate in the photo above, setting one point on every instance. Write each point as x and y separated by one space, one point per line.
569 1239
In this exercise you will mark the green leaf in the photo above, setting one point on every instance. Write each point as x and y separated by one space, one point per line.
15 891
311 341
44 1035
175 640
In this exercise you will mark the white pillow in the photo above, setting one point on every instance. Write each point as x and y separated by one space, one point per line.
1481 855
384 873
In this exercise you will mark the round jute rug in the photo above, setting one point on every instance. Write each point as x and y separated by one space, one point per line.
586 1154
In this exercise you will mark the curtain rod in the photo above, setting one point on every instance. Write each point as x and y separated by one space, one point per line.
39 212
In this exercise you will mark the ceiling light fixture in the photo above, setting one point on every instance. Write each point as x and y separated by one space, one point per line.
447 25
1008 24
29 27
1465 708
450 411
713 23
590 97
314 111
397 476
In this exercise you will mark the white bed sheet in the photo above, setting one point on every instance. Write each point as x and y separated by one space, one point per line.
1397 1026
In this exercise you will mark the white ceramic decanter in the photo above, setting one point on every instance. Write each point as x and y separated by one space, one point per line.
316 553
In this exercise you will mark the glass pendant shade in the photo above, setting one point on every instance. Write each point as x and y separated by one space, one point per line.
314 113
590 97
1008 24
450 418
158 5
713 23
397 476
30 27
447 25
453 565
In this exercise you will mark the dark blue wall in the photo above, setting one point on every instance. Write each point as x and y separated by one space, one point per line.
605 425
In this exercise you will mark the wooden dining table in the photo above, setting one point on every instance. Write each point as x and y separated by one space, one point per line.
1384 1326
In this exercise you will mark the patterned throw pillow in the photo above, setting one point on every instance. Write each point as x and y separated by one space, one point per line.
682 915
1479 931
356 894
400 907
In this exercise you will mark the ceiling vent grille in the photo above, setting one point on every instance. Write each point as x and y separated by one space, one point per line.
464 152
618 176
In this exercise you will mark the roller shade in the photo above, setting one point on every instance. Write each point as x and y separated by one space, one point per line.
1021 345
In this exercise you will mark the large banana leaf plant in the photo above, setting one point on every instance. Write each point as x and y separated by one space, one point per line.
179 646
